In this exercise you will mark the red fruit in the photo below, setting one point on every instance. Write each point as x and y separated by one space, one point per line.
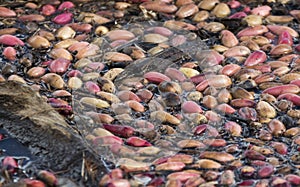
297 47
295 82
60 105
265 171
295 99
246 183
33 183
280 148
285 38
238 15
257 162
120 130
293 179
138 142
200 129
202 85
75 73
2 136
253 155
242 103
198 78
157 181
282 89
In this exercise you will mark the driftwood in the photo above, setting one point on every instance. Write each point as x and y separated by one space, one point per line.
55 144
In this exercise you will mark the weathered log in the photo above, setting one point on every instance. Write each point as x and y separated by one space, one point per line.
55 144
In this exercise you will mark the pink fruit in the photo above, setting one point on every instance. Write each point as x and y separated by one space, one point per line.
161 30
242 103
5 12
282 89
63 18
230 69
280 147
191 107
92 87
291 97
202 85
48 10
9 164
126 95
238 15
156 77
75 73
33 183
285 38
234 4
233 128
255 58
10 53
261 10
278 29
293 179
59 65
225 108
10 40
66 5
253 31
